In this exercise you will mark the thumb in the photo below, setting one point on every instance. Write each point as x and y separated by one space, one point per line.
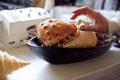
89 28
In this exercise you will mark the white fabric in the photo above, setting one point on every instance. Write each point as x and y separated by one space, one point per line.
110 4
114 24
98 4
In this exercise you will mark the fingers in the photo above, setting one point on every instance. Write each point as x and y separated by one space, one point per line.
74 16
100 23
85 11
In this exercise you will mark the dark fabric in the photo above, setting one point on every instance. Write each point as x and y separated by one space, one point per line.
64 2
103 4
118 5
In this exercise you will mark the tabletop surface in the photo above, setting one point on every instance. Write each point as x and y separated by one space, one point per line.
96 68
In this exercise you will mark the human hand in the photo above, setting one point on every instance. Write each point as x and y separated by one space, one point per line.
100 23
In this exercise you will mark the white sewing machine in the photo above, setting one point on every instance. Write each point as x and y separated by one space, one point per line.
18 24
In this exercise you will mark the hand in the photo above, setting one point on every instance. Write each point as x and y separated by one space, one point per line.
100 23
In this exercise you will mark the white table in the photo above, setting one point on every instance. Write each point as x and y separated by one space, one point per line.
104 67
